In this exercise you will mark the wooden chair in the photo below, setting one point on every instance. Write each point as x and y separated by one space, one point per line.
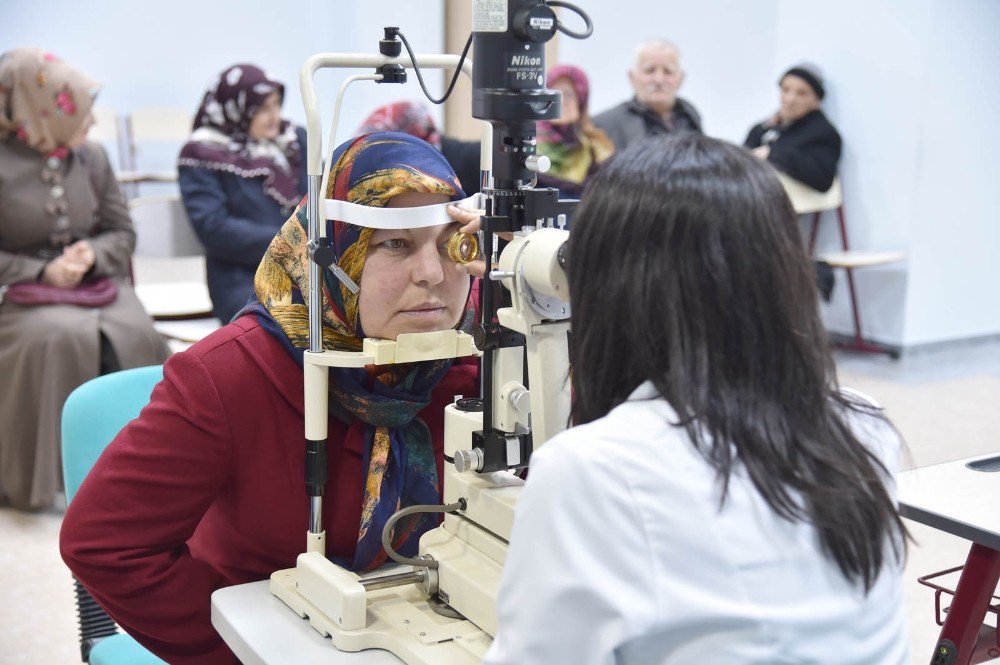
808 201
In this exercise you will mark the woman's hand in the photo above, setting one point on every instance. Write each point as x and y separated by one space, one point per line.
469 219
761 152
471 223
82 253
67 270
63 272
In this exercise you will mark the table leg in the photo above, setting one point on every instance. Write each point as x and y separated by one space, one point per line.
965 616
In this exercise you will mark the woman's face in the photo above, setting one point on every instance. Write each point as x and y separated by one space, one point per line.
797 99
266 122
409 284
80 137
570 102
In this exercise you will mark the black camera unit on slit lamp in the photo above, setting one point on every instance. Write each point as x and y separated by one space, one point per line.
508 80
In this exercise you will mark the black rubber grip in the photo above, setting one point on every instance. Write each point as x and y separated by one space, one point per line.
315 467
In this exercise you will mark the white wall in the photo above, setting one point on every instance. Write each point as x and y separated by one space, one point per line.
911 86
955 254
166 53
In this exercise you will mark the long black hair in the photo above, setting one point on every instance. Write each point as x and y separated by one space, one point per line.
686 268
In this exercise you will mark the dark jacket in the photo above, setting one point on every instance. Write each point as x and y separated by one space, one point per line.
807 150
236 222
631 121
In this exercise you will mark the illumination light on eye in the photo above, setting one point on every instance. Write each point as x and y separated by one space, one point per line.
463 248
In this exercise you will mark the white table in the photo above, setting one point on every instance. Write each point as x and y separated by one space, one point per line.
964 502
175 300
260 629
172 287
188 330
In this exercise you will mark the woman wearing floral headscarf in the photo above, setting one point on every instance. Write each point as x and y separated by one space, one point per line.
206 488
64 231
241 174
574 145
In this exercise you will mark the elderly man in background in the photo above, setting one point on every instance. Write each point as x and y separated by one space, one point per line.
656 76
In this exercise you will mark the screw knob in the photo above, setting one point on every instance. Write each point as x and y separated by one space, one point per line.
538 163
469 460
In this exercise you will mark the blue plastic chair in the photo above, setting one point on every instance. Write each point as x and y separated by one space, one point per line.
93 415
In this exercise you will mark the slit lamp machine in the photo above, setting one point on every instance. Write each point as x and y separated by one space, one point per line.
441 608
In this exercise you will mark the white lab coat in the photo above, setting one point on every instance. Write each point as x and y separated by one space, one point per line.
621 554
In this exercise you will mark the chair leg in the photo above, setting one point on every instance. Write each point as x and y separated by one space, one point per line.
843 227
814 233
858 339
94 622
859 343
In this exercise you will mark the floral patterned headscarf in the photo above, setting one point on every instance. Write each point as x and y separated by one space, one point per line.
43 100
399 455
220 139
575 150
406 117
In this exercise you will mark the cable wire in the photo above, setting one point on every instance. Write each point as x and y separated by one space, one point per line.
410 510
588 24
420 78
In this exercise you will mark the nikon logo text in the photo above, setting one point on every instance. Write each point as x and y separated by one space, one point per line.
521 60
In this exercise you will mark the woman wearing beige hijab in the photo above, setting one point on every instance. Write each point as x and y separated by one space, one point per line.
65 235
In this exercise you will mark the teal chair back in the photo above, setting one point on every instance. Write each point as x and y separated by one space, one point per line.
93 415
95 412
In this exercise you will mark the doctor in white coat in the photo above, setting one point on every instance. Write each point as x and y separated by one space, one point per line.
720 499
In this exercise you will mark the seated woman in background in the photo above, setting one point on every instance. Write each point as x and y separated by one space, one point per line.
721 499
574 145
206 488
65 236
241 174
799 139
416 120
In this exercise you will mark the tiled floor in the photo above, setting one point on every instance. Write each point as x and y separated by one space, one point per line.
944 401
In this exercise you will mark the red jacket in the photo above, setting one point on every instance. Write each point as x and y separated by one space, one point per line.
205 490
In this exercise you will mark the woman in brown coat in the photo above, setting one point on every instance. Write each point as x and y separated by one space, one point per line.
63 223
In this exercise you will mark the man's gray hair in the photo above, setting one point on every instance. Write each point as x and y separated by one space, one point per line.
648 44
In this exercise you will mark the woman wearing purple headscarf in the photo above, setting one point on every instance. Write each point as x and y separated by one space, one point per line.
241 174
576 147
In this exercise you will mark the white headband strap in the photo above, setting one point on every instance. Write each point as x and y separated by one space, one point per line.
395 218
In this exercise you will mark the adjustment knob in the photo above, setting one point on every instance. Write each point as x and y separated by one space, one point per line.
498 275
520 399
469 460
538 163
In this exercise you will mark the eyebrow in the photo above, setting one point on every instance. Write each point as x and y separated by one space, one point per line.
391 232
446 231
